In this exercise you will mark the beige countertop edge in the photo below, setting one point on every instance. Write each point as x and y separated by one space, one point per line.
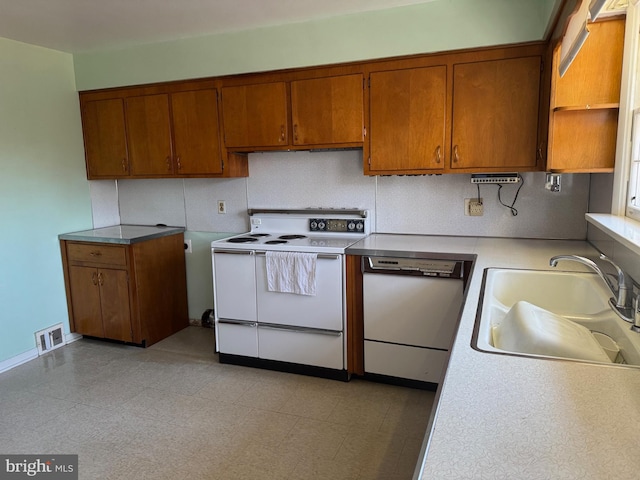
505 417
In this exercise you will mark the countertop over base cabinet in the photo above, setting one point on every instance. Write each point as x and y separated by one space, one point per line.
133 293
168 130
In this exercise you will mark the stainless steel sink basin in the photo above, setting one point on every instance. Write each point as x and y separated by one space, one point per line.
558 305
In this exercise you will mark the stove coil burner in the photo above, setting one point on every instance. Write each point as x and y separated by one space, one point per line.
242 240
258 235
275 242
292 237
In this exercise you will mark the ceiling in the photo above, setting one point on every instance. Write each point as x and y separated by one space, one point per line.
76 26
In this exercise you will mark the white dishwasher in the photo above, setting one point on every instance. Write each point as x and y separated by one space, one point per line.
411 309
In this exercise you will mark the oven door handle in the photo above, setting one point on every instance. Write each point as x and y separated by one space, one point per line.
289 328
235 252
243 323
321 256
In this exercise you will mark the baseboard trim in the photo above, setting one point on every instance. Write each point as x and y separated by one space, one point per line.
72 337
13 362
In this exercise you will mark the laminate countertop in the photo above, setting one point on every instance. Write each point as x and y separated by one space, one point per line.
519 418
121 234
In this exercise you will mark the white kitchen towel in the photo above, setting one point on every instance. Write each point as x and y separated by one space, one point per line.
291 272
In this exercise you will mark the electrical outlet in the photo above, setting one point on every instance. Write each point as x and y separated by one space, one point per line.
187 246
473 207
222 206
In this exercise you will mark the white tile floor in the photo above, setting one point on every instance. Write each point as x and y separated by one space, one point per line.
172 411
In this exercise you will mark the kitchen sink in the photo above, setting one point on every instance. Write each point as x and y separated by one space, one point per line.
552 314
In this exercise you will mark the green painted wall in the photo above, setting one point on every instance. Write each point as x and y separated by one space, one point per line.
43 189
429 27
199 272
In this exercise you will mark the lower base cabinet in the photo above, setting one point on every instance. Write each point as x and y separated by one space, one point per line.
132 293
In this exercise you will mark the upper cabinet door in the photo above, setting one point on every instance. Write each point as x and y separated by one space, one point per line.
407 115
149 135
328 110
105 138
255 115
595 75
495 114
195 132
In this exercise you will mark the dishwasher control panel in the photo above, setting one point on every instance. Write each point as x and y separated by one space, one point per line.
413 266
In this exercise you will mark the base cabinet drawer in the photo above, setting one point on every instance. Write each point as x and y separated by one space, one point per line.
237 338
302 347
403 361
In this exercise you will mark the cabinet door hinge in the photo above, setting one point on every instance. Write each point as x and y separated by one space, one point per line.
369 161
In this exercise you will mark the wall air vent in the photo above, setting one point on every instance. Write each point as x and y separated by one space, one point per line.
50 339
495 178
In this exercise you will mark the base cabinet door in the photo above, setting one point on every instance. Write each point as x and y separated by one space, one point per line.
100 299
85 298
114 304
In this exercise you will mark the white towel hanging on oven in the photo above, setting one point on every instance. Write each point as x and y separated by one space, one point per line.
291 272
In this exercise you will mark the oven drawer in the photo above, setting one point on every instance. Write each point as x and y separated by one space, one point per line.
237 337
403 361
323 310
302 346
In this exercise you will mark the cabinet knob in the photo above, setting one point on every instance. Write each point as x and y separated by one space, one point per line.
124 164
282 133
96 254
456 157
100 279
295 132
438 154
179 164
168 160
94 278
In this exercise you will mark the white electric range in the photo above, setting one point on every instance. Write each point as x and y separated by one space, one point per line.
260 327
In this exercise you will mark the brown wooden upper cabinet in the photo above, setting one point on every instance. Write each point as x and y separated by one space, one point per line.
150 132
495 114
321 112
328 110
407 110
105 140
173 134
255 115
583 119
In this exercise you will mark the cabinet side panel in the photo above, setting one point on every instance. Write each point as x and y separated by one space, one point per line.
161 287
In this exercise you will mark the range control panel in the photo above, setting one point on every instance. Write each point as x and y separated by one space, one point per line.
337 225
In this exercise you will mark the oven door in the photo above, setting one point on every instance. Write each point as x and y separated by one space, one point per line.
324 310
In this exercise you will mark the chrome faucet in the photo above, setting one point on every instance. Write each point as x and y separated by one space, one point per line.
623 292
